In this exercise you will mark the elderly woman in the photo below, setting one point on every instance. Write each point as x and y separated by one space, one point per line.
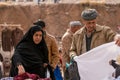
31 54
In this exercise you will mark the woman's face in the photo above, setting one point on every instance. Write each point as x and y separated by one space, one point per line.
37 37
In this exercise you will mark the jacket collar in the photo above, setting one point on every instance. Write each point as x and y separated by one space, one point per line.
69 31
98 28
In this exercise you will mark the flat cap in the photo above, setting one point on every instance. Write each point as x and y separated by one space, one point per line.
75 23
89 14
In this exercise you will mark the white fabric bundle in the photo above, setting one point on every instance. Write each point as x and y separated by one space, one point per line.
94 65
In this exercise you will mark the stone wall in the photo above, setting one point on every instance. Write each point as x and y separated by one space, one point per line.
57 16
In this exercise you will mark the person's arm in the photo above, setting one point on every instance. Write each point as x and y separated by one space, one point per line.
46 61
109 34
45 53
66 43
113 63
16 59
72 52
55 53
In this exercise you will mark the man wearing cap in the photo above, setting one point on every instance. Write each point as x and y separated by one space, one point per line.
51 44
67 40
91 34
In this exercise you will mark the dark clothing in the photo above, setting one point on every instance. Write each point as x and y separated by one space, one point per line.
88 42
51 72
114 64
117 68
26 76
32 56
1 57
71 72
117 72
0 73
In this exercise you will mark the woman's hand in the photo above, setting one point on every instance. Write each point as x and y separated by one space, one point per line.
45 65
21 69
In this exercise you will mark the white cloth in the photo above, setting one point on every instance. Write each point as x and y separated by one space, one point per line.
94 65
47 73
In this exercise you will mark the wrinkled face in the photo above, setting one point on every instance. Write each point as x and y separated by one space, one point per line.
90 25
37 37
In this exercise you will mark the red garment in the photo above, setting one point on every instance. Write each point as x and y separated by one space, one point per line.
29 76
26 76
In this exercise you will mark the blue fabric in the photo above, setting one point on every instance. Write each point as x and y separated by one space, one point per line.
68 64
57 74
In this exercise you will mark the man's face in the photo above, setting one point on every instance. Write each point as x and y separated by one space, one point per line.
90 25
75 28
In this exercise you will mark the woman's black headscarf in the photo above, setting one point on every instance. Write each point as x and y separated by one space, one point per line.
30 55
28 37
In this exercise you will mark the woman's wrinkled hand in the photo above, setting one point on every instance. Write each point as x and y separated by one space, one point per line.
21 69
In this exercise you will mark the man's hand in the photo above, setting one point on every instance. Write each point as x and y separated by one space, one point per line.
118 42
75 57
117 39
